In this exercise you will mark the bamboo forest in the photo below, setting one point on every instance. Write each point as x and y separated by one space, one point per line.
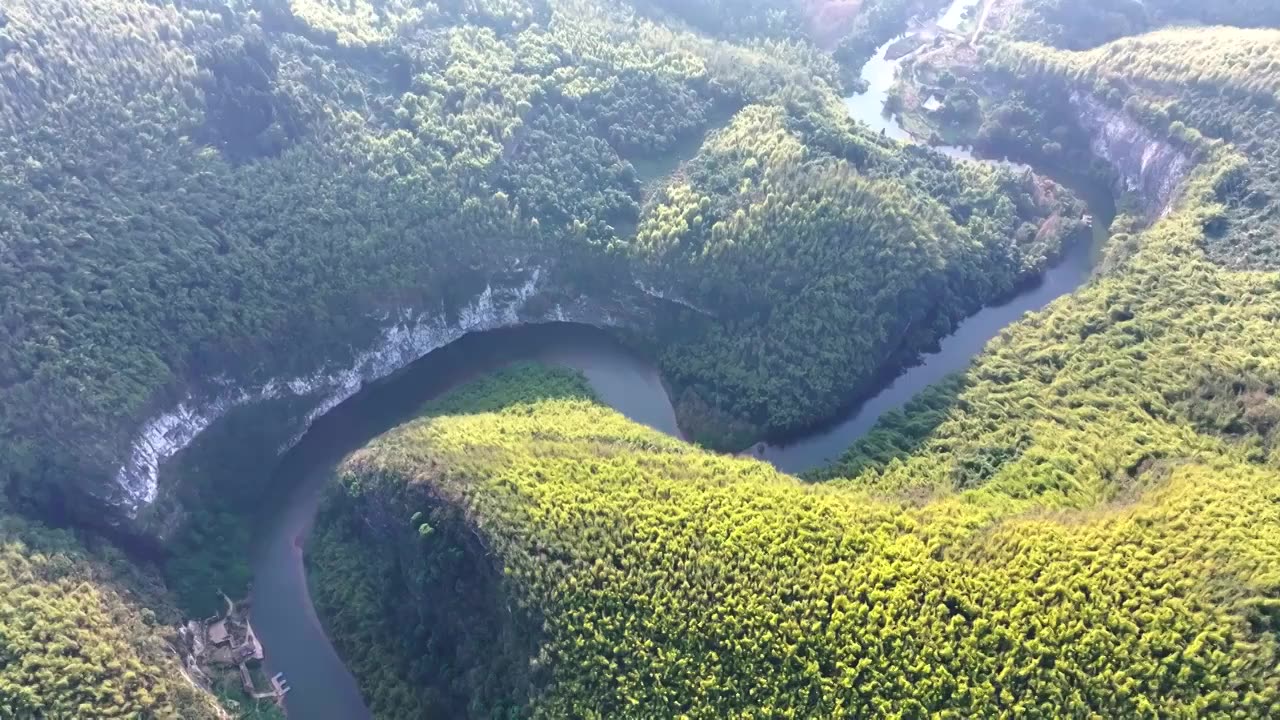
652 359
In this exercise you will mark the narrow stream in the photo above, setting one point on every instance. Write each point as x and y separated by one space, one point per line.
283 616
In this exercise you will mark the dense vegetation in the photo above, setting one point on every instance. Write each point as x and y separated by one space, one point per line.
849 29
671 582
1079 25
1081 524
1212 93
828 270
397 596
83 634
1085 522
173 230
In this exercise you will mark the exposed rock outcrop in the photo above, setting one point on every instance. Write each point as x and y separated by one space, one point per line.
1147 165
143 496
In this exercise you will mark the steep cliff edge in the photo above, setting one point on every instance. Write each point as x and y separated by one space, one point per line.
410 588
145 494
1147 166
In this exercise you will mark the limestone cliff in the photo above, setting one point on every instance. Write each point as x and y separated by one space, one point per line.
143 499
1146 165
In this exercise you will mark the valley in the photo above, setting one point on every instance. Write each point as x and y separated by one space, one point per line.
580 358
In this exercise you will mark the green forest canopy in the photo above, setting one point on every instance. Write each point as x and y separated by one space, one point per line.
650 578
1084 520
84 634
1082 523
172 223
1079 25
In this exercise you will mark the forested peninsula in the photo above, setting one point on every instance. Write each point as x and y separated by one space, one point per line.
221 219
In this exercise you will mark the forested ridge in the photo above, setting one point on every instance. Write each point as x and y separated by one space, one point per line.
860 266
1080 25
1211 93
198 195
1082 524
662 581
174 231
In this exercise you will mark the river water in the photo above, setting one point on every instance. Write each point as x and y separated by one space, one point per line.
282 614
955 351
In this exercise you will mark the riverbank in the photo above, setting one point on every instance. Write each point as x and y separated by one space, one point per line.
293 635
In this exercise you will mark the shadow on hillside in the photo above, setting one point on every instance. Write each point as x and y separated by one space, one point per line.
898 433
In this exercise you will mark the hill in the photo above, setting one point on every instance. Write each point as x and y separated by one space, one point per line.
217 209
85 634
559 561
1080 524
1078 26
222 217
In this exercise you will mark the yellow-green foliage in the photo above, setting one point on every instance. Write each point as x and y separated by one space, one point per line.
76 638
1233 60
1165 354
1077 25
1085 524
677 583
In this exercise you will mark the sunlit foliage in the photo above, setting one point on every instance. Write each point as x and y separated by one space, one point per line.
1078 25
1083 523
1211 92
659 580
79 637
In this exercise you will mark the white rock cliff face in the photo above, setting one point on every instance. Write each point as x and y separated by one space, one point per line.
405 337
1149 166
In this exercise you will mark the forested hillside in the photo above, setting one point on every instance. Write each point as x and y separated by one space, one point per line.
1079 25
1081 524
648 578
216 209
220 218
849 29
1211 93
828 268
175 242
83 634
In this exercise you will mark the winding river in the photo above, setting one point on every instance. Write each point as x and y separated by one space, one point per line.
282 613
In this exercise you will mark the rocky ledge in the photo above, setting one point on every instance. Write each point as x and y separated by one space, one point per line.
143 499
1147 165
